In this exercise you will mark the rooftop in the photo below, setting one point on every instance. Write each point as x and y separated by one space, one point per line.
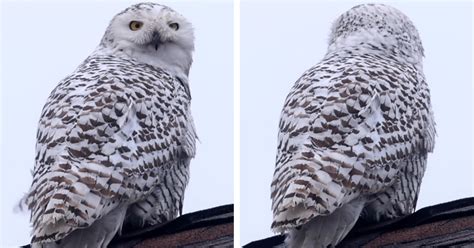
446 224
205 228
210 227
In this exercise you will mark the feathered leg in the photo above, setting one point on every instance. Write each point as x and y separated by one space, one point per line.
399 199
324 231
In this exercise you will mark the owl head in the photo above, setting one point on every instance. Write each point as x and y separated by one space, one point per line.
153 34
380 27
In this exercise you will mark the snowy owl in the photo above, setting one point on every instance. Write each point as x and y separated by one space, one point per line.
354 132
116 137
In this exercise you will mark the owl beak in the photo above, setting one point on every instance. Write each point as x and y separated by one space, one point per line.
155 40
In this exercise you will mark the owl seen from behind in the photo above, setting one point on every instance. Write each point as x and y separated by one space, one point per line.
355 131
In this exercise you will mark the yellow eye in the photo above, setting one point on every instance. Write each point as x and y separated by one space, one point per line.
174 26
135 25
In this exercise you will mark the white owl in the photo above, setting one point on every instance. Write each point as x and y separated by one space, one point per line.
355 131
116 137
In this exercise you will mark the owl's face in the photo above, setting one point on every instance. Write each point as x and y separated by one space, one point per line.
153 34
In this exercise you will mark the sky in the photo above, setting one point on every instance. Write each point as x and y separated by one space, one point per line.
44 41
280 40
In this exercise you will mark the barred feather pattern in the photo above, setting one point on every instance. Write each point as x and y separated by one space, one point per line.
355 130
116 132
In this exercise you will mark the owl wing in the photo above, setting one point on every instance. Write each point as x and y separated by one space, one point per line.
103 143
343 134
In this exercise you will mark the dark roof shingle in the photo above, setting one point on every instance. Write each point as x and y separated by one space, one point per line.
446 224
205 228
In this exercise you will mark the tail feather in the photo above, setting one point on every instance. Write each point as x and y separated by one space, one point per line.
329 230
98 235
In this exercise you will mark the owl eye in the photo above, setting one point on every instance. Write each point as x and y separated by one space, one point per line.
174 26
135 25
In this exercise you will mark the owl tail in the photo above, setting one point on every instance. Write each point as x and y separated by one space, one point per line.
98 235
326 231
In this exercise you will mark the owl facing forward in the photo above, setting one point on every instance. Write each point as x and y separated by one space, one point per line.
354 132
116 137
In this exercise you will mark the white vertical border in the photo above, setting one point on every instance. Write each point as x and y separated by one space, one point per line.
472 100
1 126
236 123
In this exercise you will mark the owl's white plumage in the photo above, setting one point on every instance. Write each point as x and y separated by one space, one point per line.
116 137
355 131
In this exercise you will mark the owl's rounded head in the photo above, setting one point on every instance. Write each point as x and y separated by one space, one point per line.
381 27
153 34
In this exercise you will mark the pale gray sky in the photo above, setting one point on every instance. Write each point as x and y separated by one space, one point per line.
280 40
44 41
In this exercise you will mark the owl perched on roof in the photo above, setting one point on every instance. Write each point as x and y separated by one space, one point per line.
355 131
116 137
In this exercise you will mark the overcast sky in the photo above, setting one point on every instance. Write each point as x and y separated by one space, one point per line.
44 41
279 41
